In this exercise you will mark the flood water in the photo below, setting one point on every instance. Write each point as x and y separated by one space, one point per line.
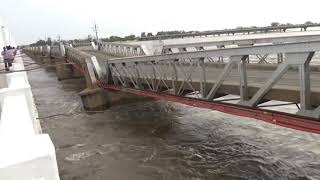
163 140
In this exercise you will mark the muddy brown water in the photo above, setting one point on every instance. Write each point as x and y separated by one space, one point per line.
165 140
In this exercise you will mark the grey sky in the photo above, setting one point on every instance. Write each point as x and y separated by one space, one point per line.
30 20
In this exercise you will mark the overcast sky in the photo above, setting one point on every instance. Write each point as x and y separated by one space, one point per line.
30 20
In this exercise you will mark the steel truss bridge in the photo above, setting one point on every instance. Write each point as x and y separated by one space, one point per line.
271 67
250 30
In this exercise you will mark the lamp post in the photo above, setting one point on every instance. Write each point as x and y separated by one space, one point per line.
4 39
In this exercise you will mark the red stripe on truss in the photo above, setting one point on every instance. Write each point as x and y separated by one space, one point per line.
278 118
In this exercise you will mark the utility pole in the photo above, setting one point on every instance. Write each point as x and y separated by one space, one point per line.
95 29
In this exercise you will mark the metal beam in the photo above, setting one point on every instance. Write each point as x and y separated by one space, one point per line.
226 71
242 67
250 40
236 51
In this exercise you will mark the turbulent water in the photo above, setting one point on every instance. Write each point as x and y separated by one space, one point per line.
163 140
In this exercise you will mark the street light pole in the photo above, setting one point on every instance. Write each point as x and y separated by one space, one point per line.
4 39
95 29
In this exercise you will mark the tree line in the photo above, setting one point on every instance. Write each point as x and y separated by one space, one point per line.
132 37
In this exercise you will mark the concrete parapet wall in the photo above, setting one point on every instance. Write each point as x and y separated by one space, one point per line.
25 152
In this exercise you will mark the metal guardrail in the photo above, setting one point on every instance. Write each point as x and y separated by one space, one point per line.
82 59
199 44
124 49
85 46
252 40
88 63
115 49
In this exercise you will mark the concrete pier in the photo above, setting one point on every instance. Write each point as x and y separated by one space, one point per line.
64 71
67 71
94 99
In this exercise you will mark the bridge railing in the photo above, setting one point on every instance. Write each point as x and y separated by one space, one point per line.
252 40
86 62
50 51
186 73
55 51
46 50
124 49
115 49
80 59
85 46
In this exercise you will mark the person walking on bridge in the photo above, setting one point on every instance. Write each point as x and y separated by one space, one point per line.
8 56
3 53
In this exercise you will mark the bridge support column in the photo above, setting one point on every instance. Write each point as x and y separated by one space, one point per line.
305 90
203 78
76 73
67 71
63 71
47 60
242 68
94 99
175 84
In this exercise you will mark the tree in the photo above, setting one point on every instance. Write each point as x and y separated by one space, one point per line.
89 38
149 34
49 41
115 38
275 24
308 23
105 39
143 34
130 37
39 43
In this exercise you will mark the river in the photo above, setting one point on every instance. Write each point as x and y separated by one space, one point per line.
154 139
